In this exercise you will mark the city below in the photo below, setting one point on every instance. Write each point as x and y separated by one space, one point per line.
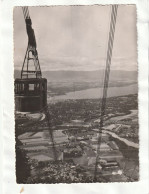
75 126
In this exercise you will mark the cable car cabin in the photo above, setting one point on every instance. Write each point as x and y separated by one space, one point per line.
30 94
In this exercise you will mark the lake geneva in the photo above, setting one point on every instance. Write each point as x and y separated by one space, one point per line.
97 93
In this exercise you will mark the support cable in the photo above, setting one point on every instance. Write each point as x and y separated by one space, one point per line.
46 111
25 12
106 81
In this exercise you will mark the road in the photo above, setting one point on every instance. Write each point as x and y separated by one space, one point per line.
127 142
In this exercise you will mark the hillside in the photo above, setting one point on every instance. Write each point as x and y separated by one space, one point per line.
90 76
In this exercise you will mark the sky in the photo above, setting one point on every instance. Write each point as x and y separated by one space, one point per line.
76 37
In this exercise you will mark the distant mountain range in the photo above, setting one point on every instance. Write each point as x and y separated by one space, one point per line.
83 76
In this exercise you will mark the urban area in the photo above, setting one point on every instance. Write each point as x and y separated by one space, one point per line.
75 126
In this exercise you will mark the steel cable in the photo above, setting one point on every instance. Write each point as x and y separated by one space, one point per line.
106 81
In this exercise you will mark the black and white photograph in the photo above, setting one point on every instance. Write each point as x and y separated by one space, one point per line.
76 94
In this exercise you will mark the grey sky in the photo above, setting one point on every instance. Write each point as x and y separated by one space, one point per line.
75 37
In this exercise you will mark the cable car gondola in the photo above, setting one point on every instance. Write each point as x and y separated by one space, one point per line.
31 88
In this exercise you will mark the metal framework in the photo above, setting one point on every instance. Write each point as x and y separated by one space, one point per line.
31 55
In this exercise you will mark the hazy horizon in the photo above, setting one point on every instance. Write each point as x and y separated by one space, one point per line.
74 38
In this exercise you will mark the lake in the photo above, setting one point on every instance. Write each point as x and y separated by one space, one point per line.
97 93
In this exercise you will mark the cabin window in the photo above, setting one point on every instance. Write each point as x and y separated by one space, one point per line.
31 87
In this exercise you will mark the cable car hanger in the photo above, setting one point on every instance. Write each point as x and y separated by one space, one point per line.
31 51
